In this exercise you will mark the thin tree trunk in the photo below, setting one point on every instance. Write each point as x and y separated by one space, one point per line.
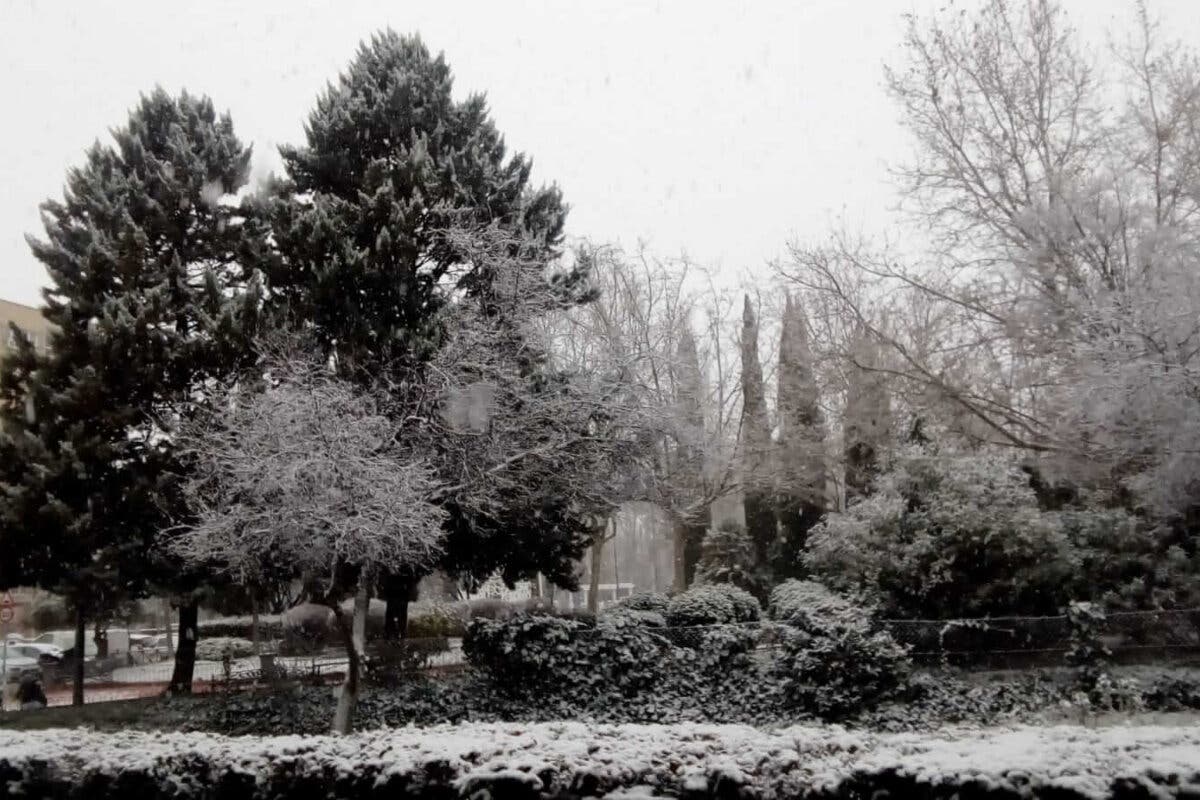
80 644
254 639
167 616
593 599
100 637
185 653
679 560
399 592
354 637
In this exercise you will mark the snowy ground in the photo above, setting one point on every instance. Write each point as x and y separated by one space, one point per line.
516 760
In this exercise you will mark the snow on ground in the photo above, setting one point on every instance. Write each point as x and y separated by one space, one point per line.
215 670
553 757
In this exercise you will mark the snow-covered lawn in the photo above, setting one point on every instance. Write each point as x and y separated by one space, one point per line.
213 670
516 760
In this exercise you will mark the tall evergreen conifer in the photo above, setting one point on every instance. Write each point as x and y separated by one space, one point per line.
145 265
800 447
756 444
392 161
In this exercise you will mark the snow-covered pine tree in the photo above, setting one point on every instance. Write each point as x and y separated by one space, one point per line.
148 299
391 163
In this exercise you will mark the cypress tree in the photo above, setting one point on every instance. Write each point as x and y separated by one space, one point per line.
801 445
144 261
867 421
689 468
757 484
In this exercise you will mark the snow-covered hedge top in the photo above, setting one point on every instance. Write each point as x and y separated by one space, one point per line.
594 759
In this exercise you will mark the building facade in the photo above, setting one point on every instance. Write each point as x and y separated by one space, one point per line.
28 319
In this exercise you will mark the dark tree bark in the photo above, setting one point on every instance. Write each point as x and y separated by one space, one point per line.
185 649
80 642
100 637
398 592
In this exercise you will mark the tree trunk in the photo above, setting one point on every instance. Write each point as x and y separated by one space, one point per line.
399 591
593 600
80 643
185 653
679 537
354 637
100 637
167 617
254 638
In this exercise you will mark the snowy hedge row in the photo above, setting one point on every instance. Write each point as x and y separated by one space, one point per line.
579 760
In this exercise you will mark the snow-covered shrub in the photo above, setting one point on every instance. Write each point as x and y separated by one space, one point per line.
548 654
217 648
840 670
727 556
270 626
701 605
811 606
725 650
435 623
745 605
646 619
947 536
644 601
581 759
307 628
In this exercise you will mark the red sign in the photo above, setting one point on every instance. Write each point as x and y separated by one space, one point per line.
6 601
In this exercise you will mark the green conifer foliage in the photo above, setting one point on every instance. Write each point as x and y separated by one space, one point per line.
756 444
149 299
392 161
801 445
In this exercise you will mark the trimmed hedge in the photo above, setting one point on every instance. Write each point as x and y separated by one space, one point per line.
215 648
560 760
701 605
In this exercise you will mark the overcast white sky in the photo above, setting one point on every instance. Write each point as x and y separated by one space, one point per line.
717 128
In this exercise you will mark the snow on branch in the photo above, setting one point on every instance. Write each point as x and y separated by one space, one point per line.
306 473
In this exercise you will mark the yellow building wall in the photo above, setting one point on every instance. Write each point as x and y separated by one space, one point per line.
28 319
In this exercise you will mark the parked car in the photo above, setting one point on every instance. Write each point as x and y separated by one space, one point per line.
17 667
47 655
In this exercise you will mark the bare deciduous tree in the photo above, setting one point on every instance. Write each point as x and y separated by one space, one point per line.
1053 310
307 475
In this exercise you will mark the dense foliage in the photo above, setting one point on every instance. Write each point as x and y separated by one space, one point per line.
964 536
704 604
528 762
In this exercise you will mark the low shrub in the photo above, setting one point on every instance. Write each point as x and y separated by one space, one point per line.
397 660
646 619
520 761
308 628
644 601
745 605
216 648
809 605
841 670
269 627
550 655
833 662
436 623
701 605
727 556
